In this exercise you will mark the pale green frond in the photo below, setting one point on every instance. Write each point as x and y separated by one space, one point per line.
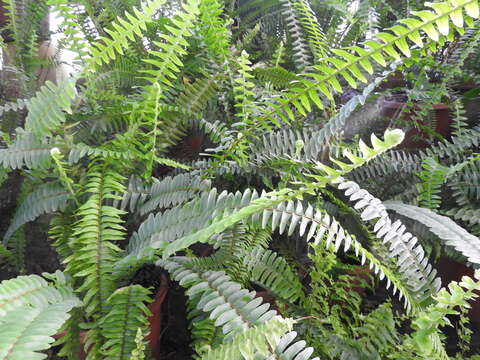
446 229
32 310
412 262
46 110
47 198
273 273
26 151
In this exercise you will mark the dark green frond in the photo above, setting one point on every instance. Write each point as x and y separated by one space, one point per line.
127 313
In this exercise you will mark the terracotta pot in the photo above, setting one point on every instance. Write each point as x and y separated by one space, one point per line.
155 320
414 136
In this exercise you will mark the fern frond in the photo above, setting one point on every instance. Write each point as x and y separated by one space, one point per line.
445 228
336 124
28 290
32 310
426 336
30 329
466 214
172 191
272 272
389 45
27 151
233 308
46 109
213 29
47 198
127 313
412 264
135 195
433 175
301 50
196 95
124 31
256 342
377 335
74 41
391 139
466 187
377 331
279 77
80 150
242 316
95 234
457 146
309 21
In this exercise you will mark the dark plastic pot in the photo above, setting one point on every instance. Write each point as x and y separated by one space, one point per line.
414 137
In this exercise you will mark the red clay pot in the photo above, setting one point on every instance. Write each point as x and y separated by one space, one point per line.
414 137
155 320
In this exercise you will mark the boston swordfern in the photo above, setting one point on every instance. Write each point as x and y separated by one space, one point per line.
275 191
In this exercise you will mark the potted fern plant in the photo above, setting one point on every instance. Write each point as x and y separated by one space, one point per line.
282 202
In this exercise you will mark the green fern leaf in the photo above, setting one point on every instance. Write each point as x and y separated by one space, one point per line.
127 313
255 342
26 151
31 312
124 31
392 45
273 273
46 199
412 264
46 109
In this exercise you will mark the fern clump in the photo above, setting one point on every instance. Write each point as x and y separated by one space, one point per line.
239 148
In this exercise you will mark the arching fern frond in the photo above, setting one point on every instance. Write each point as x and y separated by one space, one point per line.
233 308
392 45
95 234
445 228
46 199
433 175
426 335
80 150
196 95
412 264
256 342
124 31
301 50
309 21
279 77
